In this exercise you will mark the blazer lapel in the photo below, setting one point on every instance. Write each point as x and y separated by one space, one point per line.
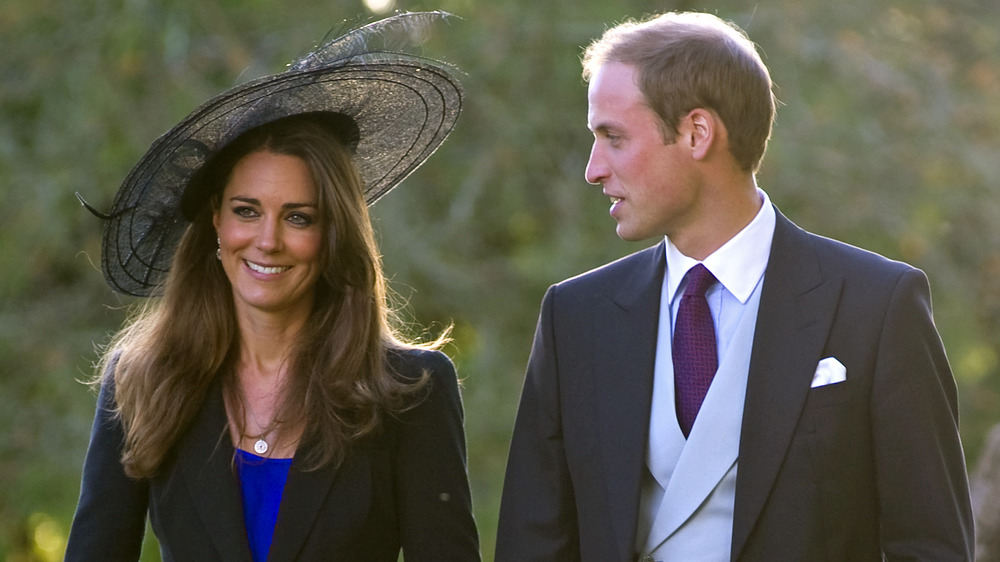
624 354
206 461
796 311
346 487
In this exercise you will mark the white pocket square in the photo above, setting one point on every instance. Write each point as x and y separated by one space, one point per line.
829 371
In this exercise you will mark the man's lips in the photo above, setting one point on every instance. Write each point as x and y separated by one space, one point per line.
615 202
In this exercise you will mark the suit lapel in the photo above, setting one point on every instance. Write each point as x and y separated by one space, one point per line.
796 310
624 353
206 461
709 454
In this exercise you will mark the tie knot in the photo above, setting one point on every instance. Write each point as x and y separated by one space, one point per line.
699 279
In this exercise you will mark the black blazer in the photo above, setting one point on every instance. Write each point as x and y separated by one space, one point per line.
850 471
406 488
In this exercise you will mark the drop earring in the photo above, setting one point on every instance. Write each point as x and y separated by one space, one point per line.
218 251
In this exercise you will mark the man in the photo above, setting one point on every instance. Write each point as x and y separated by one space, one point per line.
788 399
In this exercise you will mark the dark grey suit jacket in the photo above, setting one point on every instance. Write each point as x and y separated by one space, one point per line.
849 471
406 488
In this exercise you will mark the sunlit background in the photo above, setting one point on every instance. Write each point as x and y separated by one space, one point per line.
887 138
380 7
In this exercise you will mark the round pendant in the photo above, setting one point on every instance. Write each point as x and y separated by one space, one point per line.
260 447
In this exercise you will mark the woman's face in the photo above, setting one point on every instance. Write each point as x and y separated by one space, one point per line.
270 236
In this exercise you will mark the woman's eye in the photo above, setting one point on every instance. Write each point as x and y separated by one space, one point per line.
300 219
244 211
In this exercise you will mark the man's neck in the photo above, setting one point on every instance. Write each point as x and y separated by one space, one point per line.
728 213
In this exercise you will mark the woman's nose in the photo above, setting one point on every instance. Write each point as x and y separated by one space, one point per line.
269 237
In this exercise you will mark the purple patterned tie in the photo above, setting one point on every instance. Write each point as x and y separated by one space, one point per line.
695 359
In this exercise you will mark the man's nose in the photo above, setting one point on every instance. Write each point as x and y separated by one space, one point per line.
596 170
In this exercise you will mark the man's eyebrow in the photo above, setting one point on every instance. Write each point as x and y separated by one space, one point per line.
603 128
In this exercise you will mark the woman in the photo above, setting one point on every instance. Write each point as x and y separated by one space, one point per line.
263 407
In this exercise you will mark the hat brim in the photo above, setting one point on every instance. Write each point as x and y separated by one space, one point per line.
403 108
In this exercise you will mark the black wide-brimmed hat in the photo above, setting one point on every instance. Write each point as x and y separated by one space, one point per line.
403 107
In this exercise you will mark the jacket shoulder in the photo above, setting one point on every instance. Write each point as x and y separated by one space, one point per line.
411 362
832 257
611 275
836 257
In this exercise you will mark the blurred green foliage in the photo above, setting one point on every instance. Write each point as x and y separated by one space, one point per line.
887 138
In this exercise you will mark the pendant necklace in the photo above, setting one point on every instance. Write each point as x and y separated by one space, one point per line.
260 446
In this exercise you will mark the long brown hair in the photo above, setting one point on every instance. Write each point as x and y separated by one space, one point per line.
176 346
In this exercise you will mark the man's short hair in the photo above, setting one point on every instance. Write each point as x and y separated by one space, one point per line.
688 60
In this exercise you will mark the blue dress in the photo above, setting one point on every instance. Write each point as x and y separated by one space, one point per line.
262 481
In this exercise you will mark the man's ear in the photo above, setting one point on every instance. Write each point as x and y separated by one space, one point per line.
700 132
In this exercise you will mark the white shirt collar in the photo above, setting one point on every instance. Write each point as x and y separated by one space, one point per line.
738 264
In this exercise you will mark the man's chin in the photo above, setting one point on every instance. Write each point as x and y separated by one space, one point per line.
630 235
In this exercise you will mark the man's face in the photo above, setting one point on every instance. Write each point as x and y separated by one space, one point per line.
652 185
